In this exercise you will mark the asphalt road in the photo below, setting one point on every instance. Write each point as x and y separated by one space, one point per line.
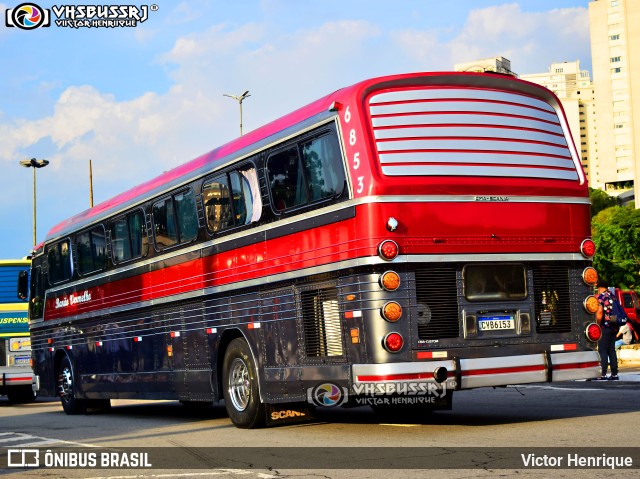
488 432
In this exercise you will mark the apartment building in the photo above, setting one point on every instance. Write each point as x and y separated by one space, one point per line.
574 89
615 54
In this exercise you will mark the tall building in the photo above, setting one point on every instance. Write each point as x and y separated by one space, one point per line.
574 89
615 52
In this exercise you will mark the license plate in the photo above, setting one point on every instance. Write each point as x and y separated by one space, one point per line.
496 323
22 360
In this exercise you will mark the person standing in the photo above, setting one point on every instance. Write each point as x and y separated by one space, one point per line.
607 343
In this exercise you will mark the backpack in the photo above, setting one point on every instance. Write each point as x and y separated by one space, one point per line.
617 317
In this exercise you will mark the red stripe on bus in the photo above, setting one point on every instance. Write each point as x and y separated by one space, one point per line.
592 364
505 370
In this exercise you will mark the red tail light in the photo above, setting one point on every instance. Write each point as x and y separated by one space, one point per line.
588 248
593 332
388 250
393 342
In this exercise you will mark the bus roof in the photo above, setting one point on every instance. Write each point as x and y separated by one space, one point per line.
254 141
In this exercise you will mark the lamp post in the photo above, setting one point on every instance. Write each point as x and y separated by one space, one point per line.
239 99
33 163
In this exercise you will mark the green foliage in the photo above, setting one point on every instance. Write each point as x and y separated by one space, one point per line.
600 201
616 233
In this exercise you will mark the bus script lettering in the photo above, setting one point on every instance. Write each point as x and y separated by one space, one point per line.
73 299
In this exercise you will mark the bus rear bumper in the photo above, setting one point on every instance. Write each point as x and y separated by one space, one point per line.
479 372
13 379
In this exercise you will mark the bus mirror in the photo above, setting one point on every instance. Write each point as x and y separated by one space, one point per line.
23 284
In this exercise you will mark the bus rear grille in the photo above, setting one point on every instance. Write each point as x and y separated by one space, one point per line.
436 292
552 299
321 317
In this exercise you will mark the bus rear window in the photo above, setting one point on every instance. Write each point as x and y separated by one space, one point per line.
495 282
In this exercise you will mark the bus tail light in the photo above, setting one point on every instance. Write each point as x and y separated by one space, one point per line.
392 311
591 304
593 332
388 250
390 280
393 342
590 276
588 248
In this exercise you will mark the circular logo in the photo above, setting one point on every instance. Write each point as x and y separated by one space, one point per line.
27 16
327 394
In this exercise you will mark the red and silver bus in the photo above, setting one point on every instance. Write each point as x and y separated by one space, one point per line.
410 233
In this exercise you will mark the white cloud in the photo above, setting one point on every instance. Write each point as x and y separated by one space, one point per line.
531 40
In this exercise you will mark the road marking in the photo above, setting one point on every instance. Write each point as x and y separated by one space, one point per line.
33 441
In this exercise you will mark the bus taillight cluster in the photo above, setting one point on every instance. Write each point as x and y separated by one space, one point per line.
590 278
391 311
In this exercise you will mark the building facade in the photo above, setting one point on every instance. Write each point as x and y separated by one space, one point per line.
615 52
576 92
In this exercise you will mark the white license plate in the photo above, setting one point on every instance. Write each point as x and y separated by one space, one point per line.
497 323
22 360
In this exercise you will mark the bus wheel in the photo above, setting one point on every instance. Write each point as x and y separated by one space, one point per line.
65 386
240 386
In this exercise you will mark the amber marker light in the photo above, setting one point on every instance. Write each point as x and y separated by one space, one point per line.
390 280
392 311
388 250
590 276
591 304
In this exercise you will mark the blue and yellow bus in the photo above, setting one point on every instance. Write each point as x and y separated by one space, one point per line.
16 375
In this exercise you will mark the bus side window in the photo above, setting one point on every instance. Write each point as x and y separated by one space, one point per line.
36 293
175 219
91 250
323 165
127 237
59 262
217 201
286 179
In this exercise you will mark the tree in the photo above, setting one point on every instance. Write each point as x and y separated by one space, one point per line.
600 201
616 233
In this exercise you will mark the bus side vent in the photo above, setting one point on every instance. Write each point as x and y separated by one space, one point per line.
437 309
321 318
552 299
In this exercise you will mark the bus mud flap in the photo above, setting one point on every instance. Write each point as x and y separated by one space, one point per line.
288 413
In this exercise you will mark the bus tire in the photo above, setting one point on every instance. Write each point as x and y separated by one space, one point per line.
66 389
240 386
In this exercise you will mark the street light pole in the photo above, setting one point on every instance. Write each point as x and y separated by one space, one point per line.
33 163
239 99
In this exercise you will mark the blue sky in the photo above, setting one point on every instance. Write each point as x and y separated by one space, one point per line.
139 101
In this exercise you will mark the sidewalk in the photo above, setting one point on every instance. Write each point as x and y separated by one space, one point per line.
629 362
